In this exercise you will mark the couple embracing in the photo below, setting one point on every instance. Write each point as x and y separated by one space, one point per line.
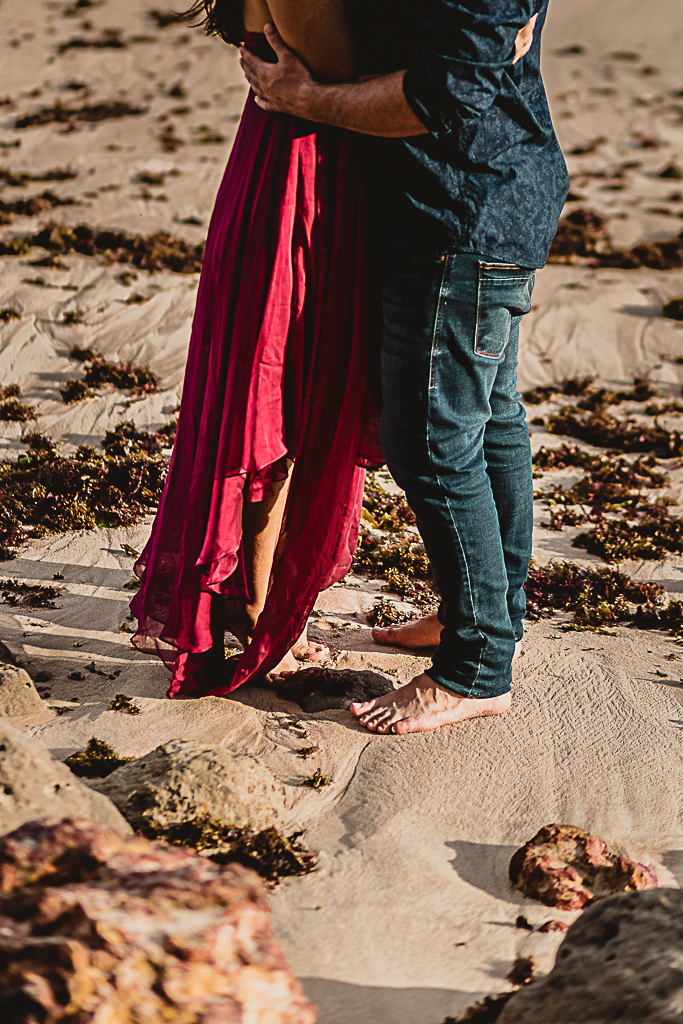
394 184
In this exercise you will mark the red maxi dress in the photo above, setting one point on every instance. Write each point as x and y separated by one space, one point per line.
278 369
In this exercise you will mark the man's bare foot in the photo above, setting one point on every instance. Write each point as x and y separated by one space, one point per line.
422 705
423 632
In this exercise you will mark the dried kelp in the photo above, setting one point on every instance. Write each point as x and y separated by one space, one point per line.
18 179
9 314
45 493
121 702
385 613
317 780
653 535
574 386
97 760
606 431
487 1011
273 855
582 236
376 555
140 380
9 391
87 112
109 40
673 309
16 412
599 598
388 511
160 251
28 595
33 206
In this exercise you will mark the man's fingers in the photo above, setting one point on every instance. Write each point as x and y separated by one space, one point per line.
275 39
265 105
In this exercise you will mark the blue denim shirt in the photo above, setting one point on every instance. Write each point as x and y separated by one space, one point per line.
489 177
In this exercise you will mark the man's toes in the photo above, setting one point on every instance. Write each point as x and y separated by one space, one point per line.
361 708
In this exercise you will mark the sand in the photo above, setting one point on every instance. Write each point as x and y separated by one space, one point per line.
410 917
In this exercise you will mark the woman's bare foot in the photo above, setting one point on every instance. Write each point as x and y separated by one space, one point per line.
303 650
423 632
423 705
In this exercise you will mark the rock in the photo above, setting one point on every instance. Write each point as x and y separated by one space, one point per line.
102 927
323 689
565 867
34 785
18 695
181 781
6 656
620 961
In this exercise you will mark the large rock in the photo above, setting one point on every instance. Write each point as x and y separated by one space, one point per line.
18 695
181 781
104 928
622 960
324 689
565 867
34 785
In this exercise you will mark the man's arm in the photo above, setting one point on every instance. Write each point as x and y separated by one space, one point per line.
374 107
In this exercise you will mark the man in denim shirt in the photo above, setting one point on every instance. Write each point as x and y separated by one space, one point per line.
470 185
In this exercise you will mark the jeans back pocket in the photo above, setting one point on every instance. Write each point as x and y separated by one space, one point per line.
503 295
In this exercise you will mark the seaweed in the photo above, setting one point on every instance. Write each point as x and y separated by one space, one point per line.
377 555
160 251
33 206
673 309
109 40
82 355
9 314
655 534
582 236
126 440
19 179
598 598
95 762
385 613
573 386
522 971
48 493
87 112
75 391
27 595
124 376
16 412
306 752
121 702
317 780
273 855
9 391
388 511
606 431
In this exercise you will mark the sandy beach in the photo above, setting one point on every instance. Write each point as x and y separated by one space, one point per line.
410 915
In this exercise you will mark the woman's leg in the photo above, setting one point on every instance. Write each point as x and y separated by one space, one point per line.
261 526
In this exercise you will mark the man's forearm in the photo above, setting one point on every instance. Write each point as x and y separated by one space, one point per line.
375 107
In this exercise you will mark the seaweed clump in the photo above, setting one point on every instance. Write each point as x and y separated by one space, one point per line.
582 236
385 613
12 411
486 1011
28 595
273 855
95 762
387 511
599 598
140 380
121 702
160 251
60 114
47 493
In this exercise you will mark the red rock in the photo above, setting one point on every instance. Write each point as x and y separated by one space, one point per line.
96 926
565 867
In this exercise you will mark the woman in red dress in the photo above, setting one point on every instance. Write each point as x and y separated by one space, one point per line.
262 504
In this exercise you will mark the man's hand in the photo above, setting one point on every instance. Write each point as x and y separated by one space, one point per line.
284 86
525 38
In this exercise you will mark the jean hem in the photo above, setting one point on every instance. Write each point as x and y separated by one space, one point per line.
473 690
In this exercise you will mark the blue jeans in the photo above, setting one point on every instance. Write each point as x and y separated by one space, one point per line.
455 439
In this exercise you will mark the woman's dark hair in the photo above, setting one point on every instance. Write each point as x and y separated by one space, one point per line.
219 18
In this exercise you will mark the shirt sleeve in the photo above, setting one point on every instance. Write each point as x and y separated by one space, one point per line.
469 46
